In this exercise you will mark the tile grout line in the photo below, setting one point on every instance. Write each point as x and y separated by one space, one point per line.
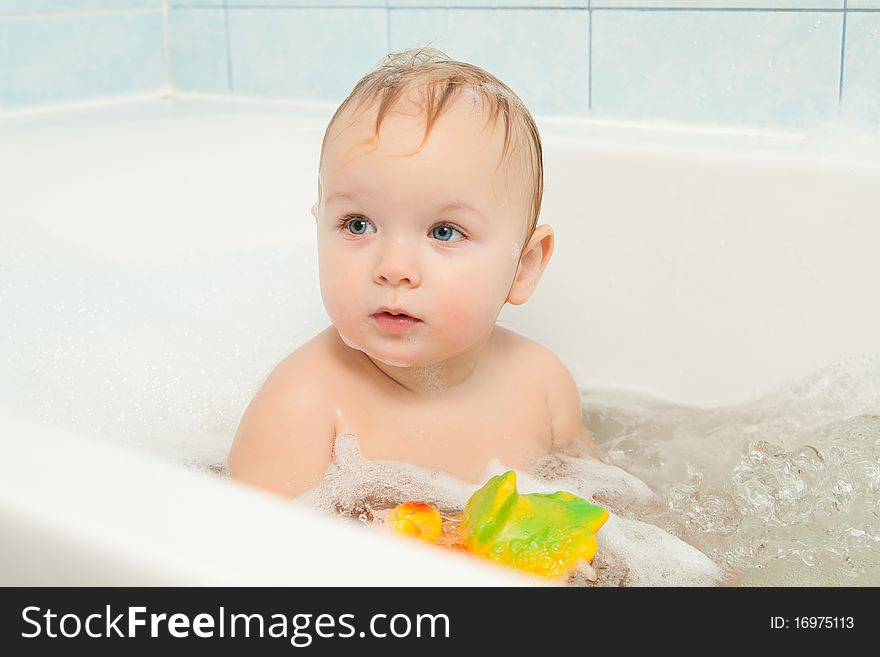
166 49
790 10
387 28
493 6
85 12
229 80
842 55
590 58
226 5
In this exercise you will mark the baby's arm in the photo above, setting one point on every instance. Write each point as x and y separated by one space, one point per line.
284 442
564 404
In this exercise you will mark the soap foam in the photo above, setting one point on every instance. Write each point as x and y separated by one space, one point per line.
385 361
784 489
632 552
431 377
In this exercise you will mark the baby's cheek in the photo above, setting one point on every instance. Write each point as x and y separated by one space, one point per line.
338 294
470 308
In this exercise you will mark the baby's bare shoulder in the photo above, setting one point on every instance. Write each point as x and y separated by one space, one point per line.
312 366
541 362
284 441
561 393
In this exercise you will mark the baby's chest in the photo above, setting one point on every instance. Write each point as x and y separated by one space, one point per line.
459 434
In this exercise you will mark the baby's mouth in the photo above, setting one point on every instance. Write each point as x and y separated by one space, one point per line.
402 317
395 315
394 323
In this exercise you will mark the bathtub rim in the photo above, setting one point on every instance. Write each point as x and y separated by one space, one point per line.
61 528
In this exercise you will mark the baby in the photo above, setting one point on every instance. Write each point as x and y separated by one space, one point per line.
429 190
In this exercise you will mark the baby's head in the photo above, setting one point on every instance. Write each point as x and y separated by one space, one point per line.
429 190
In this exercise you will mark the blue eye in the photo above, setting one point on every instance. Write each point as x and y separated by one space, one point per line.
445 232
355 225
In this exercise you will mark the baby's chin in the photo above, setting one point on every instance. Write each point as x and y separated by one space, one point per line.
382 359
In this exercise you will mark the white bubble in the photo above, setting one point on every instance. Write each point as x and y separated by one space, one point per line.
632 552
385 361
354 484
431 377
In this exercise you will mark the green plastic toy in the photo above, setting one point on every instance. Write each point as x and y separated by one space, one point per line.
544 534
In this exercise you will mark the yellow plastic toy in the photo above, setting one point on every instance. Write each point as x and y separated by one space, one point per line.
417 519
542 534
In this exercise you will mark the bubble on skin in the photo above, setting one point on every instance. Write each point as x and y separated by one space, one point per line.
515 254
384 361
432 377
473 96
477 93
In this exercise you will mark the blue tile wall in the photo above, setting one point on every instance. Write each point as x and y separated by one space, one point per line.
756 68
306 53
787 63
861 71
513 46
200 50
91 49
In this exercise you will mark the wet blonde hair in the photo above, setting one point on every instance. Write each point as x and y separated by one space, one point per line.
442 80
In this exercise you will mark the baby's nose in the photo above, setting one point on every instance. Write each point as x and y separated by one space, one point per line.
397 265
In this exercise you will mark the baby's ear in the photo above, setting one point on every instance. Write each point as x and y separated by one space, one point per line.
534 259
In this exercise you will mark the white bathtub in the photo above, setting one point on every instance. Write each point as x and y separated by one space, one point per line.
705 267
